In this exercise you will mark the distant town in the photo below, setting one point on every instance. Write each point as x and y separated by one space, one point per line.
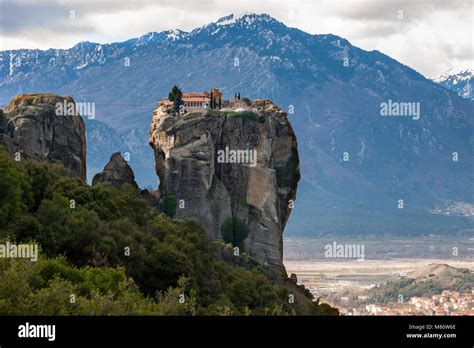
447 303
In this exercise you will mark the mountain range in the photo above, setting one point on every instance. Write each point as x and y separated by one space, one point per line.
362 172
460 80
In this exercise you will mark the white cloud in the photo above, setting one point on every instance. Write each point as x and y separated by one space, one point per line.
432 37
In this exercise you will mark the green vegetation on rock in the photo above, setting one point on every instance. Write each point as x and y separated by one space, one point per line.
168 205
234 230
120 257
211 189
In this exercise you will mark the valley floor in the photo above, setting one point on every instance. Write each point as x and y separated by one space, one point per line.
324 277
336 280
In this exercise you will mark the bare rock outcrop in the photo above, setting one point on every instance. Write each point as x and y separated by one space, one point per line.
116 172
31 129
207 173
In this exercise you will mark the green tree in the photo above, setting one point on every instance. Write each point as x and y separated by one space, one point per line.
234 230
246 100
15 192
168 205
176 96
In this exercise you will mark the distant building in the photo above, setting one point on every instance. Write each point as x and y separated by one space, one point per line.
194 101
215 98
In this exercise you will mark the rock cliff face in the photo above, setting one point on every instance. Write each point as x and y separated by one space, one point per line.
30 126
116 172
197 160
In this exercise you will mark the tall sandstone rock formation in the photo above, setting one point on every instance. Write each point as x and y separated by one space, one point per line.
116 172
186 151
29 126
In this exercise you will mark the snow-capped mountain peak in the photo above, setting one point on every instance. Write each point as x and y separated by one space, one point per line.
172 35
459 80
456 75
247 17
244 20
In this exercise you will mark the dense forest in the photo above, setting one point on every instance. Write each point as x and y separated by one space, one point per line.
105 251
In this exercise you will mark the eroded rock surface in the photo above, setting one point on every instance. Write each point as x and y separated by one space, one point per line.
116 172
194 184
30 127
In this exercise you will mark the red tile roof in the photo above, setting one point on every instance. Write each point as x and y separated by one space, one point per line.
195 99
192 94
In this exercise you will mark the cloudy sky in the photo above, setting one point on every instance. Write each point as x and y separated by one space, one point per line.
431 36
